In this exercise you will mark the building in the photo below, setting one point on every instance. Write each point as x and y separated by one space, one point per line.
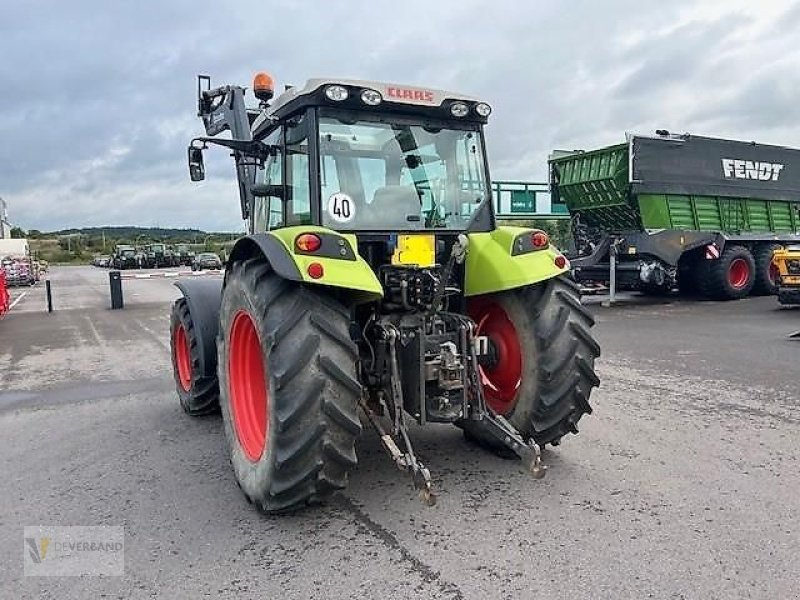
5 226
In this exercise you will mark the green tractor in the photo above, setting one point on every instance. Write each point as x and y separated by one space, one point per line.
157 255
374 281
124 257
183 255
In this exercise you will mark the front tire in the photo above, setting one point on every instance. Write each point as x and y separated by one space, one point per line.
198 393
289 392
542 373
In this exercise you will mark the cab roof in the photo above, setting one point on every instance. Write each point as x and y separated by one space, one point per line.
396 97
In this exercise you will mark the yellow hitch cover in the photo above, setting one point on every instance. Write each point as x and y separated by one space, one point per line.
418 249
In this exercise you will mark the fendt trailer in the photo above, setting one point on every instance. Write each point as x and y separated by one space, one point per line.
701 213
374 278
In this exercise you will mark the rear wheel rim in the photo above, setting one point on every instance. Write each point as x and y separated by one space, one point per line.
502 379
183 359
738 273
247 386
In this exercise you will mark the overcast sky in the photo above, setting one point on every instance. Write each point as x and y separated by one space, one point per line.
98 100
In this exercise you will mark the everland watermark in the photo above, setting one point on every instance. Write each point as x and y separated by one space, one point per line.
55 551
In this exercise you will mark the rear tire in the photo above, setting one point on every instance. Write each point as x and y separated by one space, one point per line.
766 283
556 354
299 395
730 277
198 393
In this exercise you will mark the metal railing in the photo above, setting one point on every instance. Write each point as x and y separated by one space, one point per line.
525 200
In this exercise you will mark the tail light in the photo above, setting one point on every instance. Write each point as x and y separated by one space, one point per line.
539 239
307 242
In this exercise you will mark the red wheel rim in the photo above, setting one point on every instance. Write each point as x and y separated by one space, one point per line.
183 359
247 386
738 273
502 379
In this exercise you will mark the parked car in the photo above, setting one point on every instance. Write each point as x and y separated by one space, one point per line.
102 260
206 260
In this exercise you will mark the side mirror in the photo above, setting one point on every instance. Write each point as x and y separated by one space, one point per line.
197 169
263 190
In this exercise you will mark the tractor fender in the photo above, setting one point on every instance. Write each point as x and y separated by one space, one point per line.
505 259
203 297
342 266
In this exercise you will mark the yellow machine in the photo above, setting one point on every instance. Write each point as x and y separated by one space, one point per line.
787 262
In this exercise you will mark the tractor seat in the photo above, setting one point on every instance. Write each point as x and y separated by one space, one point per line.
394 204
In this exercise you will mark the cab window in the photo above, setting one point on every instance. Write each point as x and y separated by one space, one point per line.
298 190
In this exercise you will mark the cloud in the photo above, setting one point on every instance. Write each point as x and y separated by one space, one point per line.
98 101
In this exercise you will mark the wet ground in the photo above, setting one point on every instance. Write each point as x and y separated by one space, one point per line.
684 483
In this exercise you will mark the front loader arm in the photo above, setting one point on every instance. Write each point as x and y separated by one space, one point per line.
223 109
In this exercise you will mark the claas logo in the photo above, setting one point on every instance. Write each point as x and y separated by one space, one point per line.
409 94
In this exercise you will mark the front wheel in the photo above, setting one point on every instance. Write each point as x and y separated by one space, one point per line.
289 392
198 392
540 369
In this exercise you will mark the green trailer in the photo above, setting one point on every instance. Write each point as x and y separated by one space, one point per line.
699 213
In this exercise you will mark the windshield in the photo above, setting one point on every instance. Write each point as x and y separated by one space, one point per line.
393 176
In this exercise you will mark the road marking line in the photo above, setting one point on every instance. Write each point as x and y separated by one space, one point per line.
14 303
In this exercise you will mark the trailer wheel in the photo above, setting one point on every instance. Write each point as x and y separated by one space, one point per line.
541 370
198 393
730 277
766 272
289 390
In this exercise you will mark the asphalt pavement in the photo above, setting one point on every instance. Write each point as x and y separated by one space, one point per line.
684 483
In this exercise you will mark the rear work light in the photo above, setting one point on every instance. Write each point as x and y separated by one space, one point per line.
337 93
371 97
483 109
459 109
307 242
539 239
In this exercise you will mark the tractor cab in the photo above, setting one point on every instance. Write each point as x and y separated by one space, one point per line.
364 156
